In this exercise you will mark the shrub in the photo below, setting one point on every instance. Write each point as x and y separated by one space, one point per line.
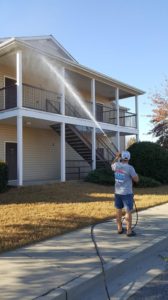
106 177
150 160
103 176
3 176
147 182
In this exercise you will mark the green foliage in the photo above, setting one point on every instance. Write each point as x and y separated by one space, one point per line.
150 160
103 176
147 182
3 176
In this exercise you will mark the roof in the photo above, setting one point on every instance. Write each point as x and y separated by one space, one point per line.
48 46
44 43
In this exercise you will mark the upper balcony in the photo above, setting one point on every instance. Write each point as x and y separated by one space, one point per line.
50 101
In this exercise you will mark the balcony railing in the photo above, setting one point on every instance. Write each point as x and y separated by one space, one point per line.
8 97
49 101
40 99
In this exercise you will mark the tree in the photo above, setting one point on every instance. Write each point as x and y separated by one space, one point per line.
160 131
160 116
131 141
150 160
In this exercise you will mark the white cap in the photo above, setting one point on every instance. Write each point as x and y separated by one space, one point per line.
125 155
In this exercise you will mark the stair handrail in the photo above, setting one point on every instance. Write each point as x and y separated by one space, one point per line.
73 109
86 140
101 141
107 146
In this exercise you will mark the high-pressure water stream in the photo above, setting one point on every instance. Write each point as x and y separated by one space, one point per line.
73 93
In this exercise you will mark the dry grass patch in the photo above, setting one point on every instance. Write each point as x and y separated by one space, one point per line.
35 213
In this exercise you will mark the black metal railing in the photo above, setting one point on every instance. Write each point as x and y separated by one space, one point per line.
128 120
77 169
8 97
108 147
106 114
75 110
40 99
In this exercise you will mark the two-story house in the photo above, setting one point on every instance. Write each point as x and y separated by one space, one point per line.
58 119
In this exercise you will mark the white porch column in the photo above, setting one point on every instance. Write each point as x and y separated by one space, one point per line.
93 97
20 150
93 148
117 105
137 138
137 117
117 117
63 91
63 147
63 152
118 140
19 78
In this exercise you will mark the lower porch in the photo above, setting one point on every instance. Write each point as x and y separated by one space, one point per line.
42 152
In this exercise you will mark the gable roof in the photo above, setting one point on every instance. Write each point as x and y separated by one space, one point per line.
45 43
62 56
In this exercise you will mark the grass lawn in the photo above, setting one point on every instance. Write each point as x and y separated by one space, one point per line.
30 214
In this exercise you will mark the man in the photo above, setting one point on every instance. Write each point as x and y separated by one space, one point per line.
124 175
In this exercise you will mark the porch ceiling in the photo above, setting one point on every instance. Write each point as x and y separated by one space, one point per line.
28 122
82 82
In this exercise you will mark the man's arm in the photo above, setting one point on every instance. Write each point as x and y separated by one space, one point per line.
135 178
114 160
118 155
133 174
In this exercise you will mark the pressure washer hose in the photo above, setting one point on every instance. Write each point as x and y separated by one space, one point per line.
97 248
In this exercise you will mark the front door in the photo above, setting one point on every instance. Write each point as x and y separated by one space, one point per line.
99 112
10 93
11 160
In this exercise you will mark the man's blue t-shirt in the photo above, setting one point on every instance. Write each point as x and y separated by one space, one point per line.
123 178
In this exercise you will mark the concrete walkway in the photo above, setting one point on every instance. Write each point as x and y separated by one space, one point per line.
67 267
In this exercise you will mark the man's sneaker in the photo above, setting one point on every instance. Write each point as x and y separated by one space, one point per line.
133 233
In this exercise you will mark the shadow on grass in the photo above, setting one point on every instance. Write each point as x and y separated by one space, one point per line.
69 192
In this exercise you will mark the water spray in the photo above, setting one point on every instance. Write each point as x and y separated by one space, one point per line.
75 95
73 92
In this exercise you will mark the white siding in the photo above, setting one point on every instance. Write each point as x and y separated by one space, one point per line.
41 152
7 134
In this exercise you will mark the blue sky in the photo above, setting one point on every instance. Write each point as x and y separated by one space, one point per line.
125 39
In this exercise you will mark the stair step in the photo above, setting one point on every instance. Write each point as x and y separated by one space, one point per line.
79 145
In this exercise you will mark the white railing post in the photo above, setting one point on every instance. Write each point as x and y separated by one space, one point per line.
20 150
19 78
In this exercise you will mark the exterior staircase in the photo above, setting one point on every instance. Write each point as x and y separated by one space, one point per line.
82 145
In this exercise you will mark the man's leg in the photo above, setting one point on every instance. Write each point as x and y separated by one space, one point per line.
128 219
128 205
119 217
